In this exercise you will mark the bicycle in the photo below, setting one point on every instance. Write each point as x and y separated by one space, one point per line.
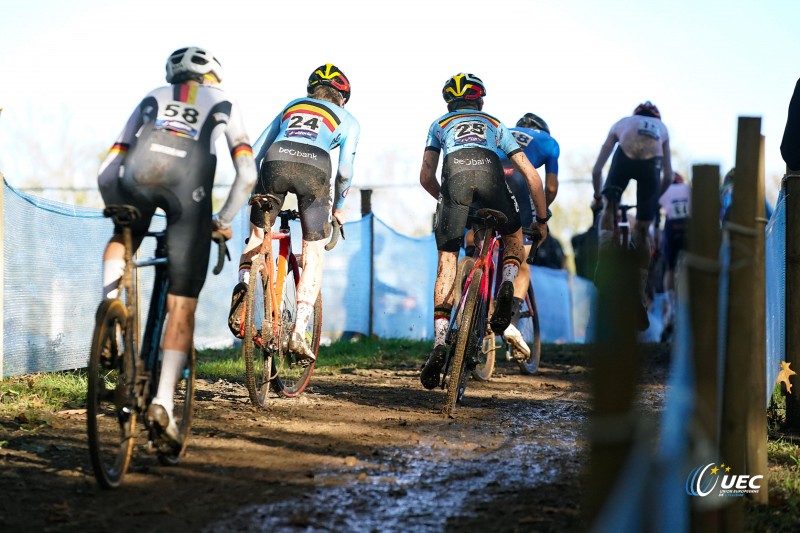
270 312
122 382
528 324
468 325
622 228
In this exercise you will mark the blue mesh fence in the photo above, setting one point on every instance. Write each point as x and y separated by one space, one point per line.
52 285
776 292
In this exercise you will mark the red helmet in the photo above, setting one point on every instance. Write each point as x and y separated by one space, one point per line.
677 178
648 109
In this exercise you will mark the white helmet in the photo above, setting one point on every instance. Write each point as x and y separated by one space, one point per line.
192 62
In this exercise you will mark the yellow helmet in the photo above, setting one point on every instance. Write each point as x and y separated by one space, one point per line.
330 75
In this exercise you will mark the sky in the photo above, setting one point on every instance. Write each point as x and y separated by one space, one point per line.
75 70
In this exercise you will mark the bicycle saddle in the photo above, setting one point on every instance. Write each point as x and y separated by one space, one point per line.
486 213
122 215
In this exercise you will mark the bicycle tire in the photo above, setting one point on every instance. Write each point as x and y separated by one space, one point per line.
257 318
183 412
288 378
111 416
455 382
529 327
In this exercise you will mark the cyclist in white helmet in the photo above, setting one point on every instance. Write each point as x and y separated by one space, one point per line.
165 158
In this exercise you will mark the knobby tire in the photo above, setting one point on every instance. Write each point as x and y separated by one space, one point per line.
250 350
454 381
111 415
529 327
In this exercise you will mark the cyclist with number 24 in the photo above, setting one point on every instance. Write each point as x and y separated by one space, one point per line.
471 170
165 158
643 148
293 155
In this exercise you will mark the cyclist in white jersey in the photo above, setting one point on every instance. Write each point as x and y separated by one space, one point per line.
676 203
643 147
165 158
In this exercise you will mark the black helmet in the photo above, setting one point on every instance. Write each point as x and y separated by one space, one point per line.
533 122
647 109
330 75
463 86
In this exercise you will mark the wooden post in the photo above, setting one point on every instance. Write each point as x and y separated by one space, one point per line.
703 244
2 270
792 193
739 363
615 371
757 396
366 209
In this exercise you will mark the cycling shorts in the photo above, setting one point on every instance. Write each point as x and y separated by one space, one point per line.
471 174
527 211
646 172
674 240
301 169
175 174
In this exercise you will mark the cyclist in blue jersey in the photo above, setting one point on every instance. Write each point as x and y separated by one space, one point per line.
165 158
533 135
293 155
471 170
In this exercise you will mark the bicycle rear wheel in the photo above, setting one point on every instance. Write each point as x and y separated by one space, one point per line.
486 357
456 379
183 412
529 327
288 378
257 333
111 415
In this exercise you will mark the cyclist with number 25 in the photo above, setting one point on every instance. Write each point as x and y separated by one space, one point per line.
165 158
471 170
643 147
293 155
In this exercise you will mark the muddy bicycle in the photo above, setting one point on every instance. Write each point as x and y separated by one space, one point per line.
467 331
528 324
270 311
123 377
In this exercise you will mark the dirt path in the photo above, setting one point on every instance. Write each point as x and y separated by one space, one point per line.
361 451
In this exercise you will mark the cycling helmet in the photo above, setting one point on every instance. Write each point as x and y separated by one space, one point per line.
677 178
533 122
192 63
330 75
463 86
647 109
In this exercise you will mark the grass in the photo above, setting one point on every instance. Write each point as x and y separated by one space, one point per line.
31 398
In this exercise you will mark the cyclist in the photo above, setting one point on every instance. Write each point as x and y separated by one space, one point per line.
676 203
165 158
470 140
533 135
293 155
642 152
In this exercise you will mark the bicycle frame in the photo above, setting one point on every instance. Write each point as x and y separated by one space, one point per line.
276 270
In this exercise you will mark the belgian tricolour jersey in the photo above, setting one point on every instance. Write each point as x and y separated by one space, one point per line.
466 128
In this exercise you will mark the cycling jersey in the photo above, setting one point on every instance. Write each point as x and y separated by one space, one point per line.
676 201
471 171
540 149
317 123
165 157
466 128
640 137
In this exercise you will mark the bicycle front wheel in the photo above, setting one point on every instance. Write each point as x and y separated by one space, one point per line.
456 377
110 407
529 327
486 357
182 411
258 333
288 378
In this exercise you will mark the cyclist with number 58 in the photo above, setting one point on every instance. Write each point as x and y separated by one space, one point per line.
165 158
470 140
533 135
643 155
293 155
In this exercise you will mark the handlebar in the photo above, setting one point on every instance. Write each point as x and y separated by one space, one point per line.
222 249
337 229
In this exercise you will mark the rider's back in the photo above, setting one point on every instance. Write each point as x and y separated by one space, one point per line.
641 137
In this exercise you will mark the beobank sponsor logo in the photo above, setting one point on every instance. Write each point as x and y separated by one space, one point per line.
296 153
716 480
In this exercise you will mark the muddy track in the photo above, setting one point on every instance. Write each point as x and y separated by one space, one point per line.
361 451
